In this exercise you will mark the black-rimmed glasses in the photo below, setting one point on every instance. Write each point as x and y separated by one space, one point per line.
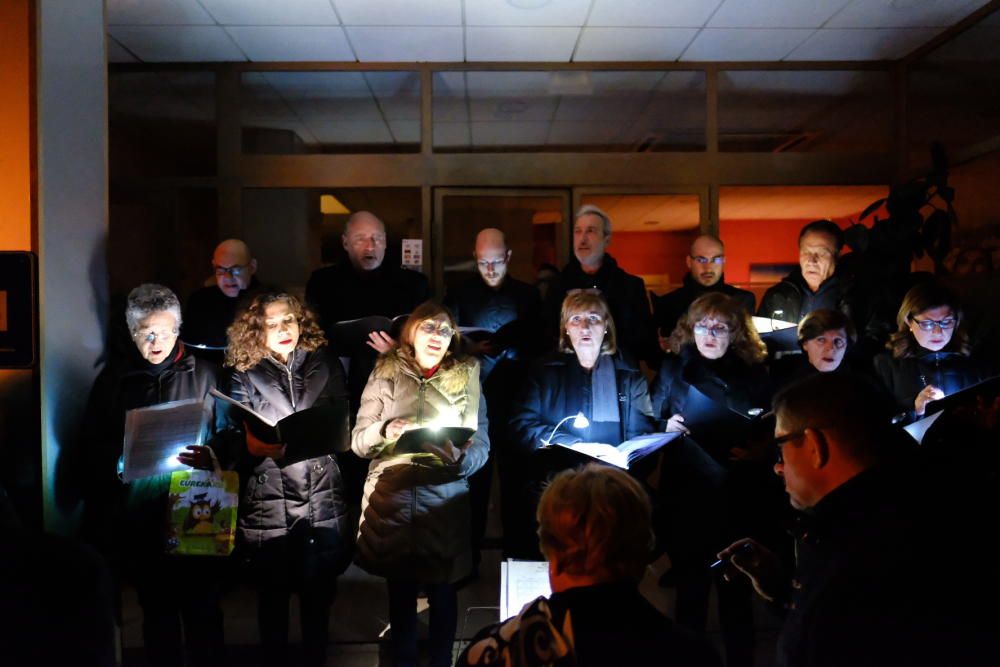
928 325
718 259
234 271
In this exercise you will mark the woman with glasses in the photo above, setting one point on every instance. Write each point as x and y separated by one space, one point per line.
825 337
587 376
928 355
710 386
415 523
293 523
127 522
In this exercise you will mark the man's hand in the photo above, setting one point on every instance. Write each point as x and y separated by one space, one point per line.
257 447
398 427
197 456
676 424
381 342
926 395
756 562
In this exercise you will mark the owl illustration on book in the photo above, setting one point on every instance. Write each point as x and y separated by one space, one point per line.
199 520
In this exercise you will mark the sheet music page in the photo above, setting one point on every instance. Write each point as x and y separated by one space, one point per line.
523 581
767 325
918 429
154 436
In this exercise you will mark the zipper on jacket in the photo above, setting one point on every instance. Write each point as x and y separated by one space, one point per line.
420 401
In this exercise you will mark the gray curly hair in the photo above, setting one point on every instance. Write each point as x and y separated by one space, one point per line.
147 299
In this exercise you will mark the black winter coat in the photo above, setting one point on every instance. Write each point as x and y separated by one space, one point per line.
670 307
625 294
279 498
793 297
906 377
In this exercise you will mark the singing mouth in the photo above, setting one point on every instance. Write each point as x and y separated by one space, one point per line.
287 341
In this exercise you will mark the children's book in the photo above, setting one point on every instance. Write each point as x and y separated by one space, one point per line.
202 512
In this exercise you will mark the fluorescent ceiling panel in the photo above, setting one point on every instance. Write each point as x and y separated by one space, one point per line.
272 12
904 13
775 13
650 13
400 12
291 44
506 13
394 44
633 44
157 12
520 44
178 43
872 44
744 44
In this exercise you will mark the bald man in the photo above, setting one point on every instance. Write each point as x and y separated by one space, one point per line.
499 303
211 309
706 262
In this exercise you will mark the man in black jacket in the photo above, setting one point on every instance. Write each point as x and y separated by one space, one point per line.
881 577
814 284
509 309
706 262
593 268
362 287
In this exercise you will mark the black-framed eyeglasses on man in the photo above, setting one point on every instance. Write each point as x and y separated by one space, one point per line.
700 259
234 271
782 440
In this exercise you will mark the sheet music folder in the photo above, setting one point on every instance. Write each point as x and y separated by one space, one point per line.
156 434
522 581
626 453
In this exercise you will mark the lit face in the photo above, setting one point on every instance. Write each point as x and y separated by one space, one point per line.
492 262
586 331
233 268
817 258
431 339
706 261
155 336
933 328
826 351
589 240
364 241
281 327
794 468
711 336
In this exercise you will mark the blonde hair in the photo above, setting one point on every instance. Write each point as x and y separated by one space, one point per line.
596 521
585 301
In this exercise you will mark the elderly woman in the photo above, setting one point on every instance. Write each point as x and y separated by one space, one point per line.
293 524
709 490
415 528
595 531
128 522
824 336
929 354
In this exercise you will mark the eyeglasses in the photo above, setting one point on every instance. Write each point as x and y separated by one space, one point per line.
580 320
491 264
928 325
718 259
792 437
430 328
151 336
234 271
717 330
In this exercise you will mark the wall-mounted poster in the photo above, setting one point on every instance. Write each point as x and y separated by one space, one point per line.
413 254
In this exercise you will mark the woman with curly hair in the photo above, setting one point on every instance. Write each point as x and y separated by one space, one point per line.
293 525
929 354
415 528
710 489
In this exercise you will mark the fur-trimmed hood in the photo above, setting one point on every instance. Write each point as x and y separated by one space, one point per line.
451 379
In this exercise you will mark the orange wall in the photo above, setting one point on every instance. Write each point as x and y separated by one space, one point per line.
651 253
15 126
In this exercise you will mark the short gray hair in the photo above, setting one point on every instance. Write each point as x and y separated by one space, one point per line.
590 209
147 299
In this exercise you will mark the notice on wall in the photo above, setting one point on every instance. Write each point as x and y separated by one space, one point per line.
413 254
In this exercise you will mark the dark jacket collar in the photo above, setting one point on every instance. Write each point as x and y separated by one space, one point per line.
795 279
690 283
563 359
609 266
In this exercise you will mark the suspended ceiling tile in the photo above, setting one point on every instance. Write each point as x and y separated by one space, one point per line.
318 85
394 83
271 12
520 44
452 135
633 44
512 109
178 43
775 13
395 44
526 12
347 132
157 12
577 132
870 44
292 44
403 108
650 13
405 131
904 13
744 44
118 53
400 12
509 134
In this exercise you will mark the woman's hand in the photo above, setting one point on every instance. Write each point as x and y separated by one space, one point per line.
676 424
381 342
926 395
257 447
197 456
398 427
